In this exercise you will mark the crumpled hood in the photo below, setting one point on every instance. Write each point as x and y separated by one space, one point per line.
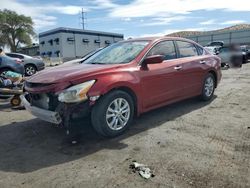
68 73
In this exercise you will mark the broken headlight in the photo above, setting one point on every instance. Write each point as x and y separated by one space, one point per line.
76 93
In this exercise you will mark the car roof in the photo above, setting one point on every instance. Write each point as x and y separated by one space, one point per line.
159 38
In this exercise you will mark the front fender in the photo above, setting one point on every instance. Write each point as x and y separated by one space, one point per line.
106 83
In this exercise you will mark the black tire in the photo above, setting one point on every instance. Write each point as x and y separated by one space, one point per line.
204 95
30 70
98 113
15 101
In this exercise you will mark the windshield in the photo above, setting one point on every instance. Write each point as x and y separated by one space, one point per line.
122 52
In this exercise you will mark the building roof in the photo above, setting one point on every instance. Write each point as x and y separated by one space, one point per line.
79 31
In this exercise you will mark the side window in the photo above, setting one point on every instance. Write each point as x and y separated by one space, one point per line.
15 56
19 56
186 49
166 48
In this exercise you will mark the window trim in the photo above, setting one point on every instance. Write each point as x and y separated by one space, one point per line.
196 46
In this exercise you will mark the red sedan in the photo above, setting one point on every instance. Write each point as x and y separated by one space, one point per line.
122 81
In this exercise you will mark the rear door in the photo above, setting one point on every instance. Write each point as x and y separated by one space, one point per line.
160 82
193 67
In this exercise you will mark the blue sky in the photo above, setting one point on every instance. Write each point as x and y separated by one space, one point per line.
134 18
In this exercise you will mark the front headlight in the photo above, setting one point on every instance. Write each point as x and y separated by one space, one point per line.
76 93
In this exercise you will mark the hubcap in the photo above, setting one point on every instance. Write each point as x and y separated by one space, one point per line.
209 86
30 70
118 114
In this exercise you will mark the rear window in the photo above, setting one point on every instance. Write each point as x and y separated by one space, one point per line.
186 49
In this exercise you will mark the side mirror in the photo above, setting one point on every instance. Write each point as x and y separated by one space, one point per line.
154 59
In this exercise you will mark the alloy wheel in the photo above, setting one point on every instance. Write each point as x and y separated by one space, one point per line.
118 114
30 70
209 86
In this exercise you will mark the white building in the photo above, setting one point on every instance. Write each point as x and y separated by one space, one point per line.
69 43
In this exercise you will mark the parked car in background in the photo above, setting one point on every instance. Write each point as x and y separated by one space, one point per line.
10 64
81 60
246 53
230 56
216 43
214 46
212 49
31 64
121 81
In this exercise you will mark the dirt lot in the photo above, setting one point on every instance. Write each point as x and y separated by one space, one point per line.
188 144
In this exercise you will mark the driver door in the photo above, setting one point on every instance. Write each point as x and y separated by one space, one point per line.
161 83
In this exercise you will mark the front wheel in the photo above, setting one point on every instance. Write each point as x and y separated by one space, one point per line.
208 87
113 113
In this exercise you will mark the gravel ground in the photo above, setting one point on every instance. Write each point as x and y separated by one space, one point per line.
188 144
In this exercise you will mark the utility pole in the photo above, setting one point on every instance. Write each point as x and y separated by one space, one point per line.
82 19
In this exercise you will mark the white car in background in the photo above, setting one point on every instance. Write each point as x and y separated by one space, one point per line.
212 49
81 60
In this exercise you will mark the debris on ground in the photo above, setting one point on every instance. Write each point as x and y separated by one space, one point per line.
73 142
142 169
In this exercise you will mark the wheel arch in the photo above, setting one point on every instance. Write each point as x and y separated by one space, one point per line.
215 76
130 92
30 64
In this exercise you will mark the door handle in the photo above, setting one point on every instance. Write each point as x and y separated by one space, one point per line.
178 67
202 62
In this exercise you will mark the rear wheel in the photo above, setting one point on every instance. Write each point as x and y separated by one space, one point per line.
208 87
30 70
113 113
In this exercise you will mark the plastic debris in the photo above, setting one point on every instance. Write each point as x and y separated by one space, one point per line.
142 169
73 142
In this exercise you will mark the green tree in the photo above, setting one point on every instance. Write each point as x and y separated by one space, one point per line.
15 29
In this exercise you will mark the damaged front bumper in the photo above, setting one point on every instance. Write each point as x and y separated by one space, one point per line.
59 113
46 115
